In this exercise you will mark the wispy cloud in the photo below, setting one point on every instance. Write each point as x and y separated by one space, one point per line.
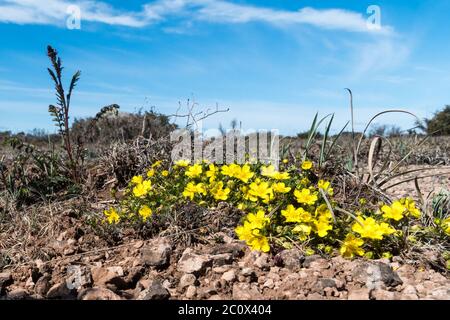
54 12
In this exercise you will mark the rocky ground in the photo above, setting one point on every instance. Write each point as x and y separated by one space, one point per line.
77 264
226 269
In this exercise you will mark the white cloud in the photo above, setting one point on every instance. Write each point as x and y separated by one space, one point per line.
379 55
54 12
213 11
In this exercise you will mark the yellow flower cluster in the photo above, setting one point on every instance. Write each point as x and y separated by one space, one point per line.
141 187
445 225
400 209
283 206
251 231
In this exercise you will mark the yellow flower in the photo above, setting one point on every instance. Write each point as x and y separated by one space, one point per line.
142 189
323 213
145 212
395 211
351 247
156 164
445 224
325 186
211 173
285 161
244 173
182 163
307 165
165 173
371 229
191 189
258 220
150 173
244 232
230 170
387 255
111 216
280 187
411 207
296 215
194 171
261 190
268 171
290 214
250 232
260 243
137 179
304 196
218 192
281 175
322 227
303 230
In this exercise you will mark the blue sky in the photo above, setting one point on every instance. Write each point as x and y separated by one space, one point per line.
273 63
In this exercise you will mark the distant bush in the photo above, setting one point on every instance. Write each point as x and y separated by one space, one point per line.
385 130
440 123
111 126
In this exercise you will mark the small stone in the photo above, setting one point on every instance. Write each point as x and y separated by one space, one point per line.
109 277
380 294
319 264
5 280
327 283
187 280
98 294
409 290
247 272
269 284
193 263
191 291
314 296
229 276
221 269
262 262
29 284
206 292
237 249
222 259
373 274
291 259
69 251
155 292
274 276
59 290
245 291
79 277
309 259
359 294
17 294
410 297
42 285
117 270
157 253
